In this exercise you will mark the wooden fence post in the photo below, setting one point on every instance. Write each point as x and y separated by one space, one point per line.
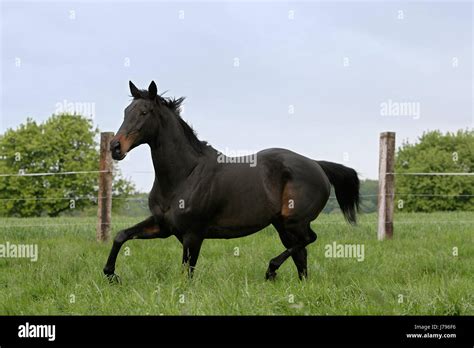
105 187
386 185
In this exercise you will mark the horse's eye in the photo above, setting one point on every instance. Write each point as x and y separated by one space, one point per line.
144 112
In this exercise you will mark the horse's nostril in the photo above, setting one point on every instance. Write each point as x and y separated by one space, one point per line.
115 147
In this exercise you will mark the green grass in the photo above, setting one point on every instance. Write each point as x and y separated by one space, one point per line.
417 264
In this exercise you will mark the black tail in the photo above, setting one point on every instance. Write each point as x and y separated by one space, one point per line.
346 184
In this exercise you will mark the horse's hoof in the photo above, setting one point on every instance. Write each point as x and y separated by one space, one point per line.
113 278
270 275
303 277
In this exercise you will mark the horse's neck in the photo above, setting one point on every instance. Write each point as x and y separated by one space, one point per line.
173 159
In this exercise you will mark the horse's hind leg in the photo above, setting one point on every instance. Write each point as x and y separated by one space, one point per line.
300 258
295 239
144 230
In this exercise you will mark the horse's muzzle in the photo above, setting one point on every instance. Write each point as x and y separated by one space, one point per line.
116 150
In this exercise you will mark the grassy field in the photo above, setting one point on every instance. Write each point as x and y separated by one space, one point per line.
415 273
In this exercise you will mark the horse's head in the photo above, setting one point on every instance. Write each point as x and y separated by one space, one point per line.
140 121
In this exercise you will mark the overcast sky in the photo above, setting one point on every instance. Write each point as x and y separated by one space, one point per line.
322 79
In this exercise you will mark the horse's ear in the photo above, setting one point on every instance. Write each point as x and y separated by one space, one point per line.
134 90
152 90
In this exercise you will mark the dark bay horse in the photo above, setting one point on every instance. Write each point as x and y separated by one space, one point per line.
199 193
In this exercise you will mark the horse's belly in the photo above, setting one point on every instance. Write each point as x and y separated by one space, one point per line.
228 232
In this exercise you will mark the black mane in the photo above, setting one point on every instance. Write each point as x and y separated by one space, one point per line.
174 105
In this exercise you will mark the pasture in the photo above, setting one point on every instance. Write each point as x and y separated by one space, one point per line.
416 273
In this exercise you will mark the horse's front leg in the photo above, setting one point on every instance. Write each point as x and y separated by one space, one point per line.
144 230
191 247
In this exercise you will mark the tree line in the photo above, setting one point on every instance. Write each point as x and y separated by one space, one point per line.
63 143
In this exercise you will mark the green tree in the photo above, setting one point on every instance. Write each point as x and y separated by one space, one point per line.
63 143
369 191
436 152
368 200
